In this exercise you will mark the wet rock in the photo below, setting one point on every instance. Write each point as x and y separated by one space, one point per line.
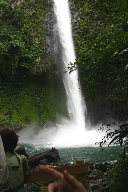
101 166
98 175
94 187
92 177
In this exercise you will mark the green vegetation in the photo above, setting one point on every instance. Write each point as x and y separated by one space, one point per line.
119 177
26 93
29 102
22 38
117 136
39 187
102 46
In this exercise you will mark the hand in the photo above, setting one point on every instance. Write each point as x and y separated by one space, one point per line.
65 182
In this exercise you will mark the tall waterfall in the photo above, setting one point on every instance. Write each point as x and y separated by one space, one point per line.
67 132
75 101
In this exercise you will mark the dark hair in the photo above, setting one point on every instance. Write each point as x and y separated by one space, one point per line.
10 139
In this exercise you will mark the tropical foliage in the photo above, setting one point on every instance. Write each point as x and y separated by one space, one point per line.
26 93
102 47
22 38
119 176
29 102
117 136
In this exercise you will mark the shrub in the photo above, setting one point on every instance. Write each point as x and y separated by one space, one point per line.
119 176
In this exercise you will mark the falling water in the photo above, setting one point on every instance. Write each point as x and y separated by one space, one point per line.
75 101
67 132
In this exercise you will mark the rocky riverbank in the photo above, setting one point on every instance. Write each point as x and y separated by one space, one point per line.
99 175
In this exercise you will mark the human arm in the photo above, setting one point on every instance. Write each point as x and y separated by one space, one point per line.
65 182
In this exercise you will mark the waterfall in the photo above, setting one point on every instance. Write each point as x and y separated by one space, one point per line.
75 102
73 131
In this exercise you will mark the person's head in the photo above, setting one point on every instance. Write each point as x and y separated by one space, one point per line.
10 139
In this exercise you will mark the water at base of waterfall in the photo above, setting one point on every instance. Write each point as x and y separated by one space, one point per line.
71 154
72 144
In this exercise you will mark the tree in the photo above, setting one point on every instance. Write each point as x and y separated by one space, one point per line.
118 136
101 42
22 38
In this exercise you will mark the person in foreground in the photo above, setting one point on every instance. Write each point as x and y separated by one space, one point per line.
65 182
17 164
3 168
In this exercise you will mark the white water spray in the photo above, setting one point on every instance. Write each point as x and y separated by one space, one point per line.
67 132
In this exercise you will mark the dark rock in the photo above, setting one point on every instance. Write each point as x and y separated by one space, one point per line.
101 166
92 177
94 186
